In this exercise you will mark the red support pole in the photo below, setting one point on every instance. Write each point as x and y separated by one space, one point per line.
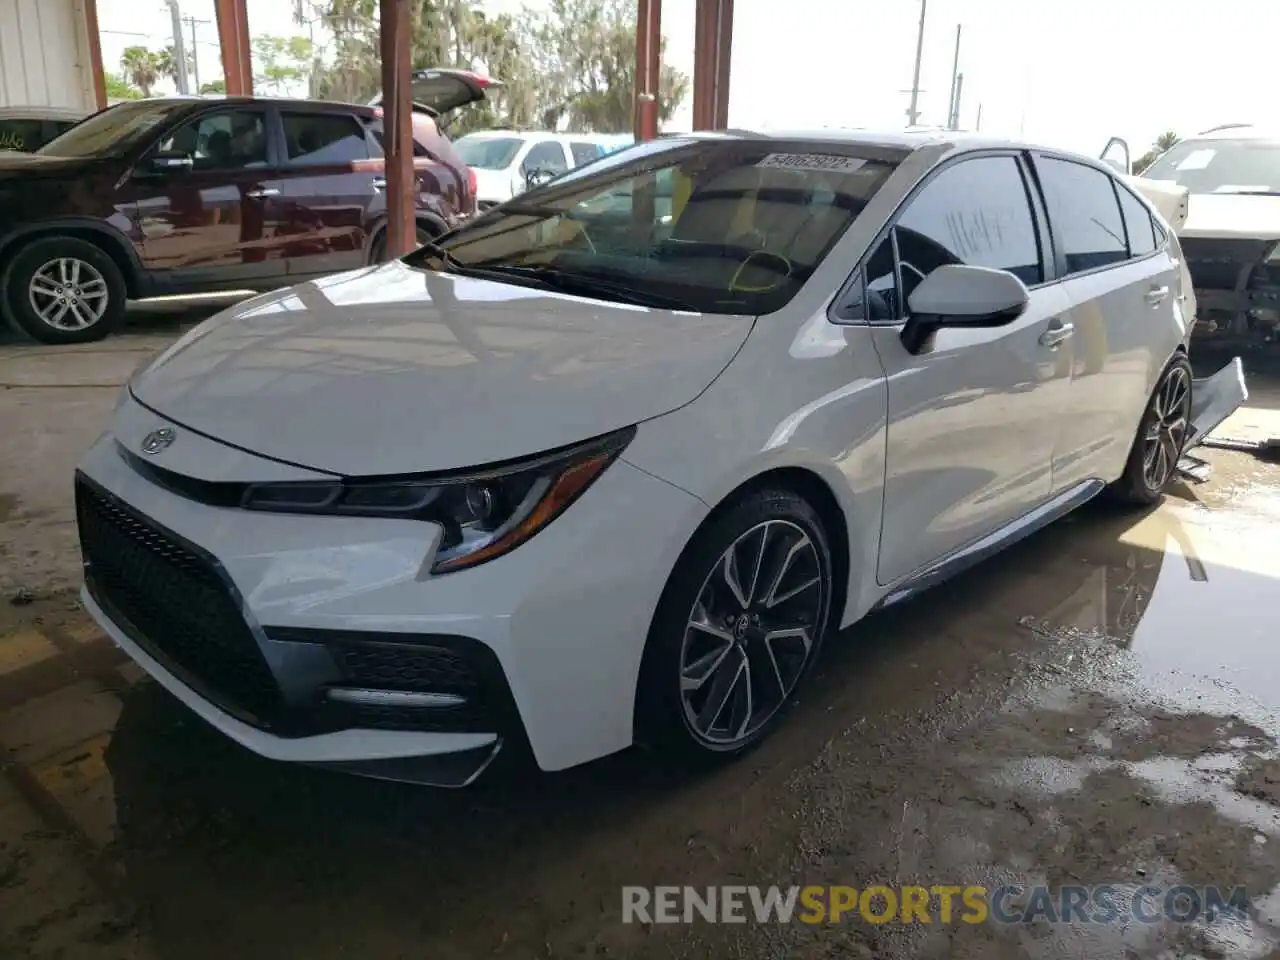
648 68
233 38
94 37
712 49
397 100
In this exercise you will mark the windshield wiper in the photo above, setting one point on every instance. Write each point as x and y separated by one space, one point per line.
583 285
1247 193
443 255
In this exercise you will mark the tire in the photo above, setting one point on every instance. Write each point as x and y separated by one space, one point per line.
1161 434
676 697
378 252
86 296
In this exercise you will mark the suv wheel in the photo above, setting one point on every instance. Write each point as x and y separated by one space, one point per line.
378 254
737 630
64 290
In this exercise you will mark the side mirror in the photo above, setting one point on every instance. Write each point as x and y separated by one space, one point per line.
171 163
537 176
958 295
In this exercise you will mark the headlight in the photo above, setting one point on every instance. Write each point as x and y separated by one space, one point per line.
484 514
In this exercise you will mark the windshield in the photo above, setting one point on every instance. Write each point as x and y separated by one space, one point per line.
713 226
1221 166
487 153
112 131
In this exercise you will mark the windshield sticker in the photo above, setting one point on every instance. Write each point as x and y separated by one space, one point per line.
812 161
1197 160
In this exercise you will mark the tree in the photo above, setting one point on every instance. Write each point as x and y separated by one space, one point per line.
214 86
280 61
1163 143
141 68
118 88
167 63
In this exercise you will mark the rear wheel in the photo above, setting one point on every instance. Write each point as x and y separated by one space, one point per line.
1153 460
737 630
64 290
378 253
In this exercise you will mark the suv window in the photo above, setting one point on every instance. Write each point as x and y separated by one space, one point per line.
1085 216
1138 225
324 138
547 155
584 152
226 140
975 212
29 133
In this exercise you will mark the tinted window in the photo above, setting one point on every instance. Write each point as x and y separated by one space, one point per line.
1084 214
23 134
717 226
1138 224
226 140
321 138
974 212
584 152
547 155
379 146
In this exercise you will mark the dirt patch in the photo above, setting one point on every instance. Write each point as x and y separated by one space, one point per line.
1261 779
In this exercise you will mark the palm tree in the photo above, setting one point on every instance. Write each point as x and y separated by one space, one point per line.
1165 141
142 68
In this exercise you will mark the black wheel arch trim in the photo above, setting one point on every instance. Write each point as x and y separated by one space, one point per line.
136 277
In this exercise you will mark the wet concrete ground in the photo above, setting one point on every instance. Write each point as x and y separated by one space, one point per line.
1098 705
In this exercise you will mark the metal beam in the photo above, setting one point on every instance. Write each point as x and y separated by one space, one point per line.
712 52
397 104
93 35
648 68
233 38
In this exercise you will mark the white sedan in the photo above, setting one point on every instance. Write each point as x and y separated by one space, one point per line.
595 470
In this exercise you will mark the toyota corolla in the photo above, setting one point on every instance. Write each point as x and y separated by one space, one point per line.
608 464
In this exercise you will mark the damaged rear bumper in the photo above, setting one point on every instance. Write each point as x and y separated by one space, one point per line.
1215 398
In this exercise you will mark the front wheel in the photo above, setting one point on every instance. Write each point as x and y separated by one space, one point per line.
64 290
1153 460
737 630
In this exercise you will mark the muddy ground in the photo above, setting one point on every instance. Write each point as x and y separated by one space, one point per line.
1098 705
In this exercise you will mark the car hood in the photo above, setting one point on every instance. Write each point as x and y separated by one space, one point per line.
392 369
24 166
1222 216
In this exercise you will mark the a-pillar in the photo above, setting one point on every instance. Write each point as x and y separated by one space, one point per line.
233 37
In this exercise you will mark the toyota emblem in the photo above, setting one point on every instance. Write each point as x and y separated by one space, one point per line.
158 440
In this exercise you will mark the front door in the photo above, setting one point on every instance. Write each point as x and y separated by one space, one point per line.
1123 286
972 417
210 225
329 187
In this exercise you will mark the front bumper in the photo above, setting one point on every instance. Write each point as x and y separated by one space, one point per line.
1237 288
321 640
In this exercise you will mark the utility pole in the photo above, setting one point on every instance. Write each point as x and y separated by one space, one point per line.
977 127
913 111
191 22
952 112
954 119
179 49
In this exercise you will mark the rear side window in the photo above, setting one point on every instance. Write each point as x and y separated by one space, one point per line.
379 147
584 152
547 155
324 138
1084 214
1139 226
23 134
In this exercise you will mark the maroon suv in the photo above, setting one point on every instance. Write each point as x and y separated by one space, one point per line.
193 195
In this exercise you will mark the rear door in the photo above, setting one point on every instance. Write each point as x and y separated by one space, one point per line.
330 184
1122 284
548 156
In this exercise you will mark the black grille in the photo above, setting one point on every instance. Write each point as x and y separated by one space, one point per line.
402 666
171 600
1215 264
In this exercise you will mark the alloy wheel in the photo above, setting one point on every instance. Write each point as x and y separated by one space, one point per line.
68 294
1167 429
751 633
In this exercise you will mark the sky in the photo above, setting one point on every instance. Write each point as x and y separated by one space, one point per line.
1068 74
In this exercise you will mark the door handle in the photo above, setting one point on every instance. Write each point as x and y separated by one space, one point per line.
264 192
1156 295
1056 334
379 183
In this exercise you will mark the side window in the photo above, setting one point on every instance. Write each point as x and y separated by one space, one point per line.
881 295
1084 214
379 147
583 152
226 140
546 155
22 135
1137 224
324 138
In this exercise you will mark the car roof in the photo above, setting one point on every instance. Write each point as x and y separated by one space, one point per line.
41 113
318 106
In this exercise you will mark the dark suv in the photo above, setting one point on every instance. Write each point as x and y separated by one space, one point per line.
194 195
